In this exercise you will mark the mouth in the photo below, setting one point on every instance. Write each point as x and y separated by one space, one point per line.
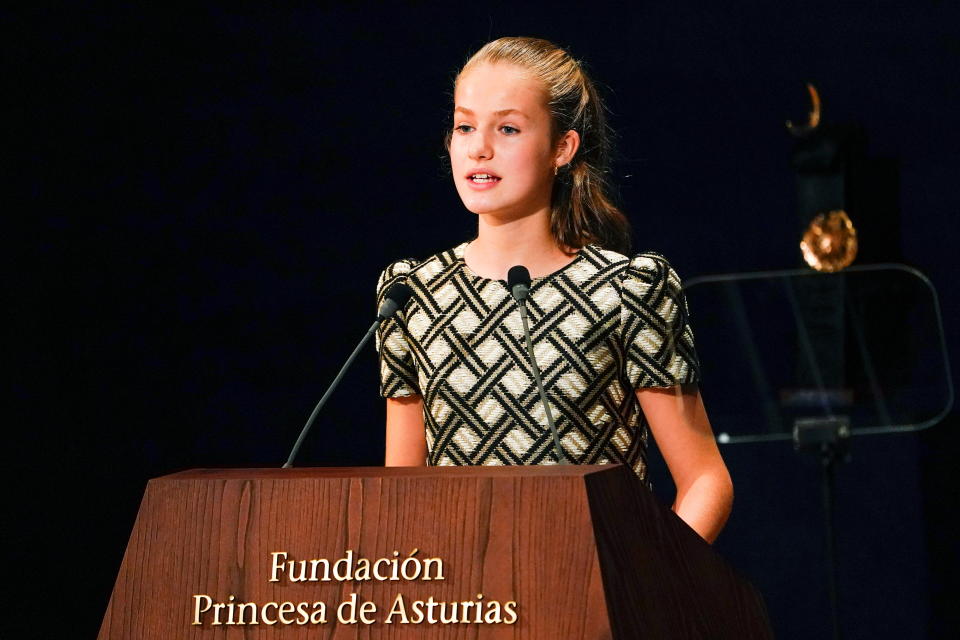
483 178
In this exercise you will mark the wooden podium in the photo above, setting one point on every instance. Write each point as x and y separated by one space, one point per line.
551 552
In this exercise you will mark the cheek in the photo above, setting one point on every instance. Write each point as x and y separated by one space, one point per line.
533 163
455 153
534 153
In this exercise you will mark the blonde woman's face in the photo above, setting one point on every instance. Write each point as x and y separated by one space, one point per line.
501 150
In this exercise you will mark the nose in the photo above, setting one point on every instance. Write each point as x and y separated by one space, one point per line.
480 147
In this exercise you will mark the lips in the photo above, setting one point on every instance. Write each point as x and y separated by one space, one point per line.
482 176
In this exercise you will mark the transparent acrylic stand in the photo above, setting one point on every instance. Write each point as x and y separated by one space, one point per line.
817 359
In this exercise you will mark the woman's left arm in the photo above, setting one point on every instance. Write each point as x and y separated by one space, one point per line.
680 426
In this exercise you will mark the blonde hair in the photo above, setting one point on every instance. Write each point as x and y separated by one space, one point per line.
582 211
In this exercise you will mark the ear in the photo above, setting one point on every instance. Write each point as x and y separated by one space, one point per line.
567 147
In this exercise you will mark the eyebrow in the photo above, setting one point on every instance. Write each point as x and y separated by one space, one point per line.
501 112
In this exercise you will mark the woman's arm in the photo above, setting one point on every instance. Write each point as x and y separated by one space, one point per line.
680 426
406 439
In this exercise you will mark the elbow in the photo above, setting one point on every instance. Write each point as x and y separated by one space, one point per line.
726 491
723 503
721 487
707 502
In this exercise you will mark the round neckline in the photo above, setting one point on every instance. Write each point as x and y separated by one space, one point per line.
460 251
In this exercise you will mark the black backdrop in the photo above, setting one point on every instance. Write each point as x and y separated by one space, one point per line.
213 193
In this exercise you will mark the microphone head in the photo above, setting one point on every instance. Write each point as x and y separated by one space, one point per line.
399 293
395 299
518 282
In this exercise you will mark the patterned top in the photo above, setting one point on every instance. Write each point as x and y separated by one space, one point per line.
602 326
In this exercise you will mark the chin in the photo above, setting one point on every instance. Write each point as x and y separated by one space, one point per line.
486 210
477 205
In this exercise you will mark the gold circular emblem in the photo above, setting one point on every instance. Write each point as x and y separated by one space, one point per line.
830 242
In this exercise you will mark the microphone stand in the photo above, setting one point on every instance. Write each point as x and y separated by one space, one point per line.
394 300
518 284
333 385
561 458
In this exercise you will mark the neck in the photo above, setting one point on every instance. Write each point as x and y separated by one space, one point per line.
526 241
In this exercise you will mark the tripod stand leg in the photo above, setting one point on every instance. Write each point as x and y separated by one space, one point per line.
828 461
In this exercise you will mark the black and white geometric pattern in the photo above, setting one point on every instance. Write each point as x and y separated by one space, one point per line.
602 326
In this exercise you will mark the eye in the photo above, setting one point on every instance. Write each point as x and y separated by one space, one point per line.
510 131
463 128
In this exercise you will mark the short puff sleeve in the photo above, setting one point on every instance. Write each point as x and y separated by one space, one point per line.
398 373
655 325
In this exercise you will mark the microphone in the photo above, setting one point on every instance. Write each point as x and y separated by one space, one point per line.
394 300
518 282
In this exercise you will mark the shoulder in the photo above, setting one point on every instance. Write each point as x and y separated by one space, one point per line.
652 290
415 269
646 267
653 268
601 265
394 272
646 278
399 267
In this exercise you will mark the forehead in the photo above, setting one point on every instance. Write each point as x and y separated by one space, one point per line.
498 86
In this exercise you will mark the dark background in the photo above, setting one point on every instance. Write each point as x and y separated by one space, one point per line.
212 194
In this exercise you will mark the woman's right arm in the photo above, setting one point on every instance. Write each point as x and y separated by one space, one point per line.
406 436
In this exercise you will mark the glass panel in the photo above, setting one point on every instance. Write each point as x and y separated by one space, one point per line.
865 344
